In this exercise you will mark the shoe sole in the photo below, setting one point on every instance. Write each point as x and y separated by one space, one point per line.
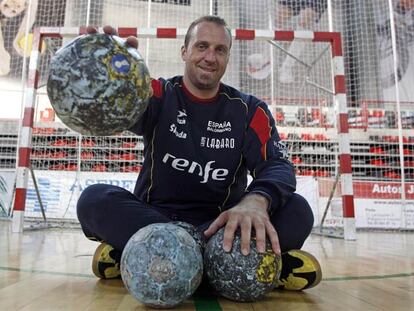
310 264
95 261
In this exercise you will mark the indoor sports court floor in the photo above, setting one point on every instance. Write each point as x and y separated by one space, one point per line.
50 270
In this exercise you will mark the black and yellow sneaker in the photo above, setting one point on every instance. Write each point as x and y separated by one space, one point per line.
105 262
300 270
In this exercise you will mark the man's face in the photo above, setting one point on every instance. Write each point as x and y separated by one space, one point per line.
12 8
206 56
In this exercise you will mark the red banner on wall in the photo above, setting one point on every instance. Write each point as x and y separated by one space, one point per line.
370 189
382 190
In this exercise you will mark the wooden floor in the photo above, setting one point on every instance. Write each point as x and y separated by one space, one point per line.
50 270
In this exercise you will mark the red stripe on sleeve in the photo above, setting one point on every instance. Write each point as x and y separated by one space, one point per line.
261 126
156 88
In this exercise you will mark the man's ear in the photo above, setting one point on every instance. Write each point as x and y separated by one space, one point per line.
183 52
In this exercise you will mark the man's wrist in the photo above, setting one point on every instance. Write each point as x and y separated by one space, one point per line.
263 199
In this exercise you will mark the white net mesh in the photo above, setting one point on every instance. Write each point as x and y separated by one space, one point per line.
294 78
379 74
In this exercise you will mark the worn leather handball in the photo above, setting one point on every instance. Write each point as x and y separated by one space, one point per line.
162 265
98 85
236 276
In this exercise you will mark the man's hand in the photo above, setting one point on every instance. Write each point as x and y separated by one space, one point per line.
251 212
109 30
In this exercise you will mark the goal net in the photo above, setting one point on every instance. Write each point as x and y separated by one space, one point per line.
296 73
306 108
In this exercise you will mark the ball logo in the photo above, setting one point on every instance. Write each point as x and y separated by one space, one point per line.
120 63
161 269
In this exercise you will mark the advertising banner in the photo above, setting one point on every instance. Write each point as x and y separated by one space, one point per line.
378 205
59 191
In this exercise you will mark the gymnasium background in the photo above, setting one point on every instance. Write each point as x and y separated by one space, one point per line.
378 45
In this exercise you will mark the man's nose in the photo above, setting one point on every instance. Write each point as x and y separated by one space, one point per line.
210 55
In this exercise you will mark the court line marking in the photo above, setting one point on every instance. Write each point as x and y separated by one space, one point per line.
47 272
202 304
329 279
369 277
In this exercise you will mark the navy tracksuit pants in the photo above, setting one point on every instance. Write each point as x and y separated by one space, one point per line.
112 214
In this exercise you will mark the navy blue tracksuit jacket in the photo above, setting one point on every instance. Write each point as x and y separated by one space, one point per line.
197 153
